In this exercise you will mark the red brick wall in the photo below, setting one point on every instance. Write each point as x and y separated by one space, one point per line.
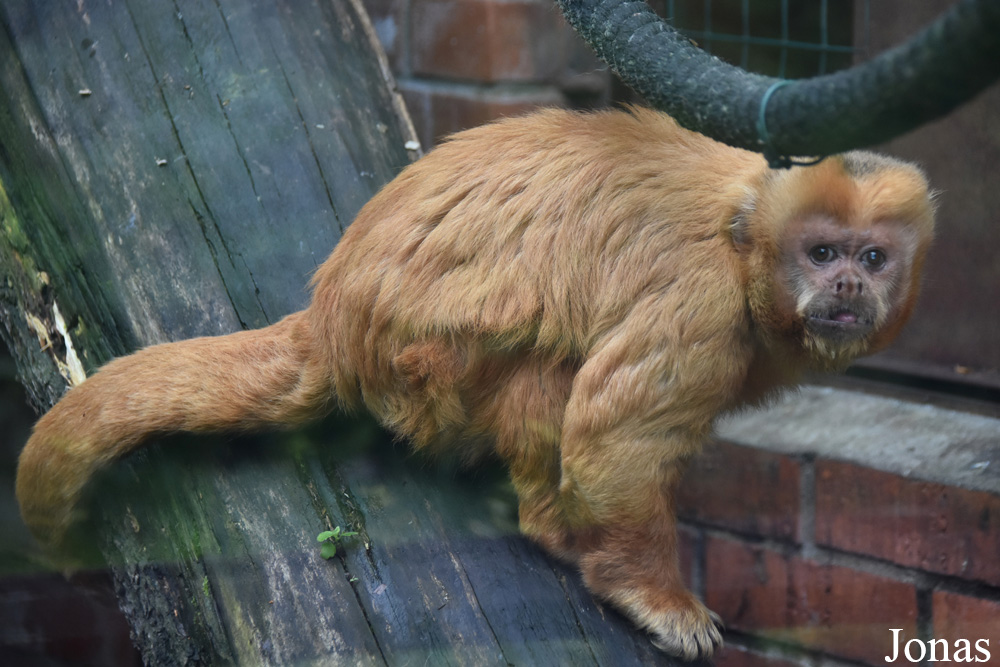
815 558
461 63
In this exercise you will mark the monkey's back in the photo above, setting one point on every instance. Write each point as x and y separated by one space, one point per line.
523 240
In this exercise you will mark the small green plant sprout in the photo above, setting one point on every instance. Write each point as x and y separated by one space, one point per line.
331 541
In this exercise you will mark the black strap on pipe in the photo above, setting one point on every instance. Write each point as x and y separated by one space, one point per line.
940 68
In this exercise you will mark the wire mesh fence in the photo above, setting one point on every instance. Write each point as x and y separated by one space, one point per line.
785 38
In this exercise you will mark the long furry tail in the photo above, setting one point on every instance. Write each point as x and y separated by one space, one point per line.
243 380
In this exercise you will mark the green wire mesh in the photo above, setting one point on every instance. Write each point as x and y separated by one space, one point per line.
782 38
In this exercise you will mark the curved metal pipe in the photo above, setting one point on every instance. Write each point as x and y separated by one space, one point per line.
940 68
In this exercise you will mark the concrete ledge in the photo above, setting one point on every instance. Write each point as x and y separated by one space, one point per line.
897 436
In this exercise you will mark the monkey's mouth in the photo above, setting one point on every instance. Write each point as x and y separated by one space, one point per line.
839 324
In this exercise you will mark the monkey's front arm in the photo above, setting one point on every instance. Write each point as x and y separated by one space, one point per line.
641 405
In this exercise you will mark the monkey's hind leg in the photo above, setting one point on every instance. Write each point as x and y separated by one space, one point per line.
535 476
524 410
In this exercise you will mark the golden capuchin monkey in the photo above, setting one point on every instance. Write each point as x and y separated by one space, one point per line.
585 292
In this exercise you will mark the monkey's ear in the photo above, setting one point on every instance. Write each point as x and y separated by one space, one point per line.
740 220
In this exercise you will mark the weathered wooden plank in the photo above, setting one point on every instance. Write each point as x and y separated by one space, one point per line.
177 185
232 527
250 186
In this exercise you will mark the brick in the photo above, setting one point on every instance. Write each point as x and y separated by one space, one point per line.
933 527
439 110
785 598
742 489
687 544
738 656
61 622
964 617
488 40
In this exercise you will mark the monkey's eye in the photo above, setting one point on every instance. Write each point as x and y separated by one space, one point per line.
822 254
873 259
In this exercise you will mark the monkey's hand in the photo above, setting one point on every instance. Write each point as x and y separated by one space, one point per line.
636 569
685 628
621 525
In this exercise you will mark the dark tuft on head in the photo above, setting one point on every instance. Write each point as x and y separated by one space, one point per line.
859 164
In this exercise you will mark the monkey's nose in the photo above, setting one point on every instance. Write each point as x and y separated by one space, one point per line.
848 286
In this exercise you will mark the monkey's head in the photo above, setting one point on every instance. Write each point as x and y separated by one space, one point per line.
836 252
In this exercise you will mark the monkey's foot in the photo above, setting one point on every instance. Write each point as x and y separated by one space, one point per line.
680 624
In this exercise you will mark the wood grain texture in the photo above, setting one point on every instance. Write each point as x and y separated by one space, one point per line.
171 169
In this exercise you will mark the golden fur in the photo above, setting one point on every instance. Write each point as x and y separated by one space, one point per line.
584 292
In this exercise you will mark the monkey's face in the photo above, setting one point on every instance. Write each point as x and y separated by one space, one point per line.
844 283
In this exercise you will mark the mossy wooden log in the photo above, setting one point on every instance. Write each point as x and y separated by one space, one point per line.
172 169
